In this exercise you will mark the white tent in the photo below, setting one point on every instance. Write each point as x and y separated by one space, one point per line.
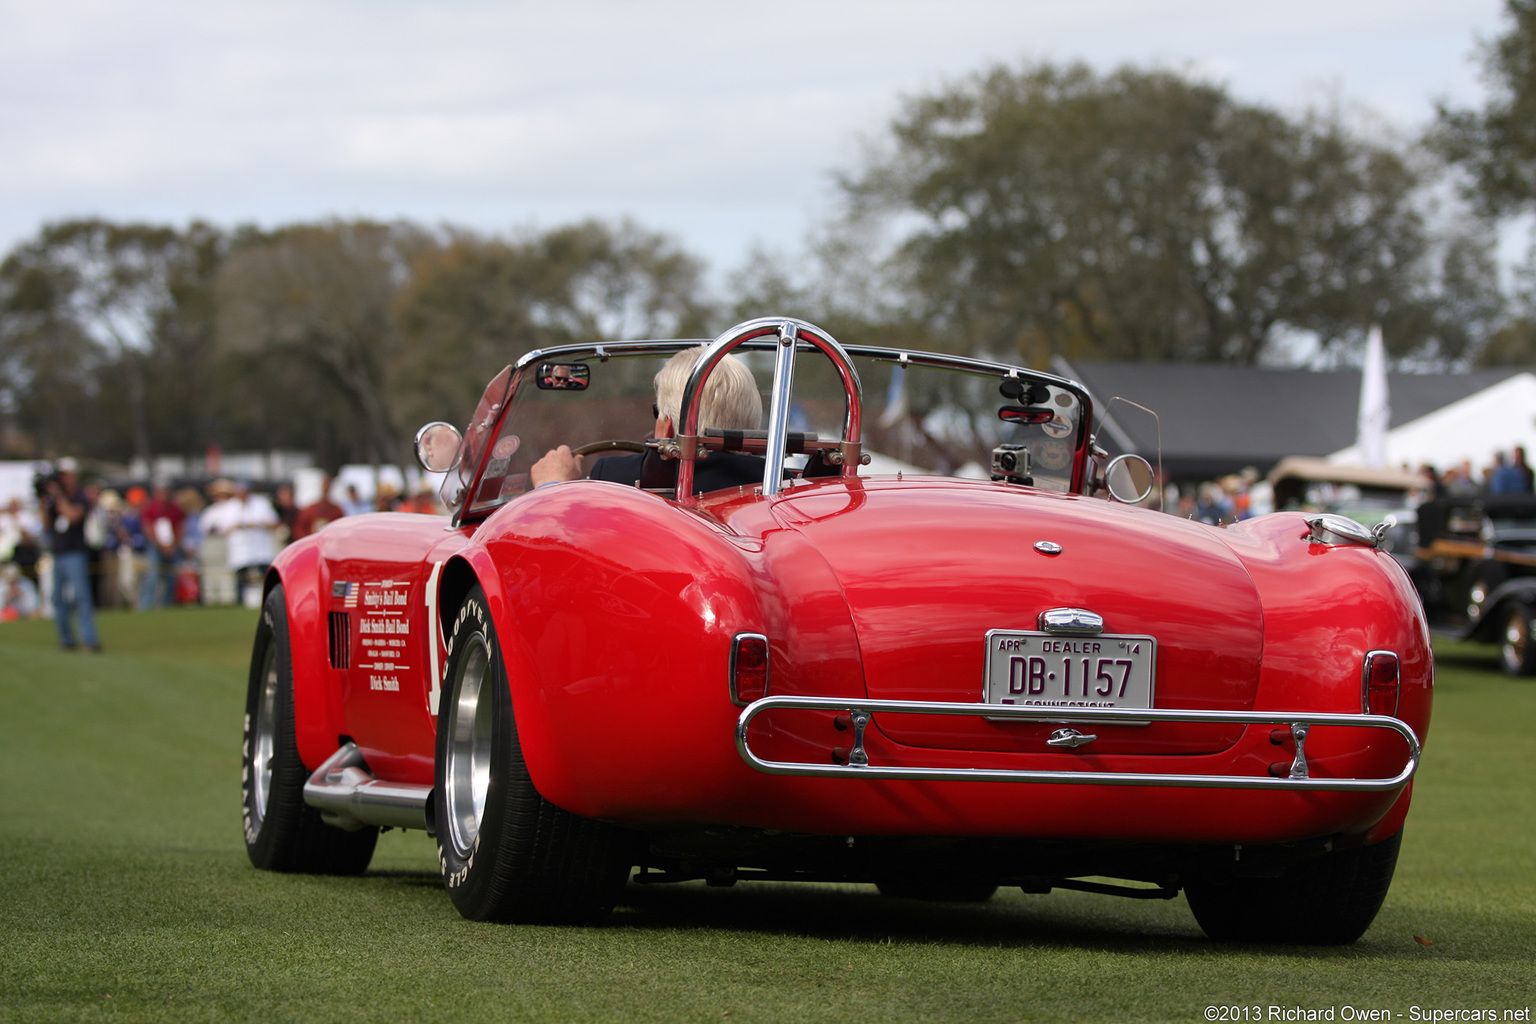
1492 420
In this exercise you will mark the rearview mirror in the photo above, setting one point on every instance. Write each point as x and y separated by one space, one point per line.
563 376
1129 479
437 446
1025 414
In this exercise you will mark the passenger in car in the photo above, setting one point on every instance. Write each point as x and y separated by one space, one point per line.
731 402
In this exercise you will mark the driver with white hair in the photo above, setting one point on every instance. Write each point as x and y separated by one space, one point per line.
731 401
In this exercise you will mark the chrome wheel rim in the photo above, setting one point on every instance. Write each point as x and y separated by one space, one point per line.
468 771
264 738
1517 637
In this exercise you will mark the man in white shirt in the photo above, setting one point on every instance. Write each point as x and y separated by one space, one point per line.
248 522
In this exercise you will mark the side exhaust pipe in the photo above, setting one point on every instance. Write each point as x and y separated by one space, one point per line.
348 797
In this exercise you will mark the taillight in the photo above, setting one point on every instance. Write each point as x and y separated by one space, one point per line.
749 668
1379 683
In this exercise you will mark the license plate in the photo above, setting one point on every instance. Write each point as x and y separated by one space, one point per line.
1044 670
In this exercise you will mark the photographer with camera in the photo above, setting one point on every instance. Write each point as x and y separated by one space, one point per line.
64 508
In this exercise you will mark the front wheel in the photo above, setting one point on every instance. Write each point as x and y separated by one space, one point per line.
282 832
506 853
1516 651
1330 901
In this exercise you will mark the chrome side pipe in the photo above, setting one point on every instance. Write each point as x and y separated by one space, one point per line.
348 797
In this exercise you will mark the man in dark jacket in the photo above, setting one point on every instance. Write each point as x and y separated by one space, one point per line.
64 507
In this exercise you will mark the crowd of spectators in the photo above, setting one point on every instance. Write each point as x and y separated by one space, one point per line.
1242 495
82 544
1234 497
1508 474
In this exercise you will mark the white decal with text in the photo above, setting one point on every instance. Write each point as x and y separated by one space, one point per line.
382 633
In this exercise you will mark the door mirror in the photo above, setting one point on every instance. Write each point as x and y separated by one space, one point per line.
1129 479
437 447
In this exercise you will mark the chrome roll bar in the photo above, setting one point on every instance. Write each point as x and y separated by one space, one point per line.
862 712
790 334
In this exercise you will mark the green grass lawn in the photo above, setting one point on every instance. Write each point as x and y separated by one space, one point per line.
125 891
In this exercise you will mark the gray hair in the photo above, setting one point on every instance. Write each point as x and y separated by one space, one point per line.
731 399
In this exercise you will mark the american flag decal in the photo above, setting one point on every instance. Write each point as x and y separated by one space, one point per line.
346 591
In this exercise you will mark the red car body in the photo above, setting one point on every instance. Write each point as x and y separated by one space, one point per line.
872 753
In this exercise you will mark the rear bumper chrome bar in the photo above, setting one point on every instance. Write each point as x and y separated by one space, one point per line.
862 713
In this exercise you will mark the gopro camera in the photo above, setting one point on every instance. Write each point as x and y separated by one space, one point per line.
1010 462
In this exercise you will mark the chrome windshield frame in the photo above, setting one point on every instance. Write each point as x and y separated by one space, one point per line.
764 335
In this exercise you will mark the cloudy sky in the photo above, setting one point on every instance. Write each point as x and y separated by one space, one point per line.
719 122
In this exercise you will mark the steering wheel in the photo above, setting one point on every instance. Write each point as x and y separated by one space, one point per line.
609 446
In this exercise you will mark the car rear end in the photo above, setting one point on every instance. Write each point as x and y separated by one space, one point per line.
1049 666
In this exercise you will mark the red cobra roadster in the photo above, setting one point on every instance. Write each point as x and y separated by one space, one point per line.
983 665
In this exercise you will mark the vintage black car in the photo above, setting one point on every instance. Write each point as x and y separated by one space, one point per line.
1477 573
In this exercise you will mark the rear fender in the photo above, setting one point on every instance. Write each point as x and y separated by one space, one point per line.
460 574
615 612
493 560
1325 606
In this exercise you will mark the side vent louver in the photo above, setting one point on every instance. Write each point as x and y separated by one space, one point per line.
341 634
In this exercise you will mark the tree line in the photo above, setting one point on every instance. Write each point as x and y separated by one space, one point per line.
1023 212
133 340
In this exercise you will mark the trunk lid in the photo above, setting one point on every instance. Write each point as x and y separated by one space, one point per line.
929 566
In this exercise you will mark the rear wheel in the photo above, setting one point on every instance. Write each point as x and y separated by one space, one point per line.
507 854
1516 651
282 832
1330 901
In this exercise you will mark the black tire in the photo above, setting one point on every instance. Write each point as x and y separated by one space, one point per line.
937 890
1517 651
506 853
1330 901
282 832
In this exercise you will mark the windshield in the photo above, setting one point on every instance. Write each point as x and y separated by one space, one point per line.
917 420
927 421
616 405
